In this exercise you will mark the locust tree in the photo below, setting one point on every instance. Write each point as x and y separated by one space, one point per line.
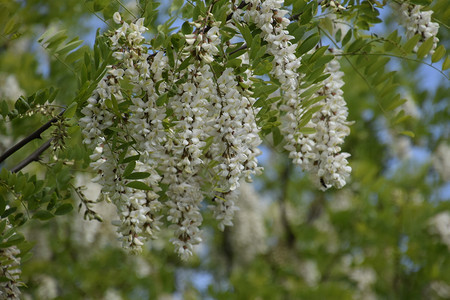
170 117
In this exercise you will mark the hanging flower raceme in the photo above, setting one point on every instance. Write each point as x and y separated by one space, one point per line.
416 21
191 141
136 208
173 128
318 153
327 164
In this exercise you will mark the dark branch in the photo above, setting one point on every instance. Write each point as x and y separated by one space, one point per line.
241 6
244 46
229 16
34 135
33 156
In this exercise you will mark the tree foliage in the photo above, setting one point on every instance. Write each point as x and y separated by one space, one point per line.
169 110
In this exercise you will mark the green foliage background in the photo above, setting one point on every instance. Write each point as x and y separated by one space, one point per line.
390 199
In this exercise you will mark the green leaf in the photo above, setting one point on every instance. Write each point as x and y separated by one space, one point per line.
21 105
129 169
396 102
234 63
208 143
185 64
138 185
131 158
70 111
411 43
263 67
310 91
438 54
16 239
162 99
64 209
2 226
381 62
115 105
392 41
421 2
338 35
69 47
264 90
317 54
408 133
308 44
246 33
55 40
43 215
75 55
26 257
138 175
446 64
256 45
4 109
297 33
356 45
425 48
347 38
10 27
277 136
9 211
312 101
400 117
307 130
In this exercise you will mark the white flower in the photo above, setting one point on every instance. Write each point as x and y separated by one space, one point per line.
441 160
416 21
310 272
117 18
440 224
364 277
248 235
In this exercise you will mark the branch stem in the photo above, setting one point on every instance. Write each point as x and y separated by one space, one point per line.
33 136
32 157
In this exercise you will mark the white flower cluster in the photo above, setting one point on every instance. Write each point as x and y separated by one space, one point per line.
10 271
416 21
323 157
248 235
191 140
364 277
137 209
440 224
310 272
204 44
9 87
317 153
9 91
441 160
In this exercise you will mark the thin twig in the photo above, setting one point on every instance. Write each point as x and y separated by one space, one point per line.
33 156
354 68
244 46
400 57
34 135
129 11
241 6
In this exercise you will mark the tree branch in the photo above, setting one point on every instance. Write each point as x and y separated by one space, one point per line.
244 46
33 156
34 135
